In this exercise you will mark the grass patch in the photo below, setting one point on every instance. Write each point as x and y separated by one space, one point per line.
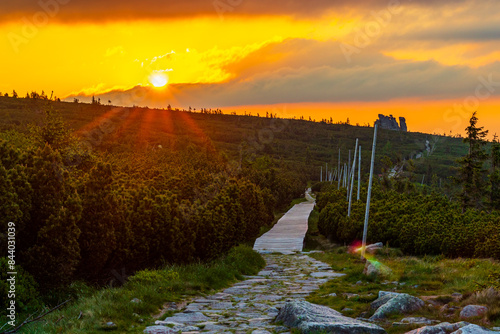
432 278
314 240
153 288
296 201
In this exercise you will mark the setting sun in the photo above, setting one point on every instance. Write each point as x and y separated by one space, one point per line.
158 79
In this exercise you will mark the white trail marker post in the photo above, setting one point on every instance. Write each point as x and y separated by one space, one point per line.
367 212
352 179
359 173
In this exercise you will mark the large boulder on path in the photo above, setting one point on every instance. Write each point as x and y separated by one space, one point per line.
312 318
401 303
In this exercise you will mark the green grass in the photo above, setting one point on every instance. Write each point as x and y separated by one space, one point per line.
424 276
153 288
314 240
297 201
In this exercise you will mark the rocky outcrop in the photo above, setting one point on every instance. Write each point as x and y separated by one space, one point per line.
309 318
402 124
399 303
390 123
387 122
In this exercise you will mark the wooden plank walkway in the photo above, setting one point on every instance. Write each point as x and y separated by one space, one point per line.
287 236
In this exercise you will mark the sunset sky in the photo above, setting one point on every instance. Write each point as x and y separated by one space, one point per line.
433 62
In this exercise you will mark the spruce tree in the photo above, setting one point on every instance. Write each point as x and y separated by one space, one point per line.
99 219
495 175
471 172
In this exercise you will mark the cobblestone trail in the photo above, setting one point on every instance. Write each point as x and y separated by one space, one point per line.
250 306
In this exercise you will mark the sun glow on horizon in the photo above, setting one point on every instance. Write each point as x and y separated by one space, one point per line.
158 79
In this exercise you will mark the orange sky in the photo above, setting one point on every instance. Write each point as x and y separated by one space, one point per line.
321 58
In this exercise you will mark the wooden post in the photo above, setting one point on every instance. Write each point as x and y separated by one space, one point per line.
359 173
367 212
352 179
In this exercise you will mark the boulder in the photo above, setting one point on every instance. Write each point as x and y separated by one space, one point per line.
402 303
383 293
310 318
473 329
376 268
472 311
381 300
443 328
374 247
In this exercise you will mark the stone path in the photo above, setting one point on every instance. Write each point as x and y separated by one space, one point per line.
287 236
250 306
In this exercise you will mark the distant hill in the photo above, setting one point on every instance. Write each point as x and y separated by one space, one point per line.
116 129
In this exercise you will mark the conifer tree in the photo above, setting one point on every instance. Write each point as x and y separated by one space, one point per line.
494 177
471 172
99 219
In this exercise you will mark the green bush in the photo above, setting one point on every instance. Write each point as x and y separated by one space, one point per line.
26 289
417 223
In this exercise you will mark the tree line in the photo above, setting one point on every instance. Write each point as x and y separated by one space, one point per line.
130 210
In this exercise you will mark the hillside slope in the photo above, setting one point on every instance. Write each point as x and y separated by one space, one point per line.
117 129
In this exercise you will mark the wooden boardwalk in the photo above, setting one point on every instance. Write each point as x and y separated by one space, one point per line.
287 236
